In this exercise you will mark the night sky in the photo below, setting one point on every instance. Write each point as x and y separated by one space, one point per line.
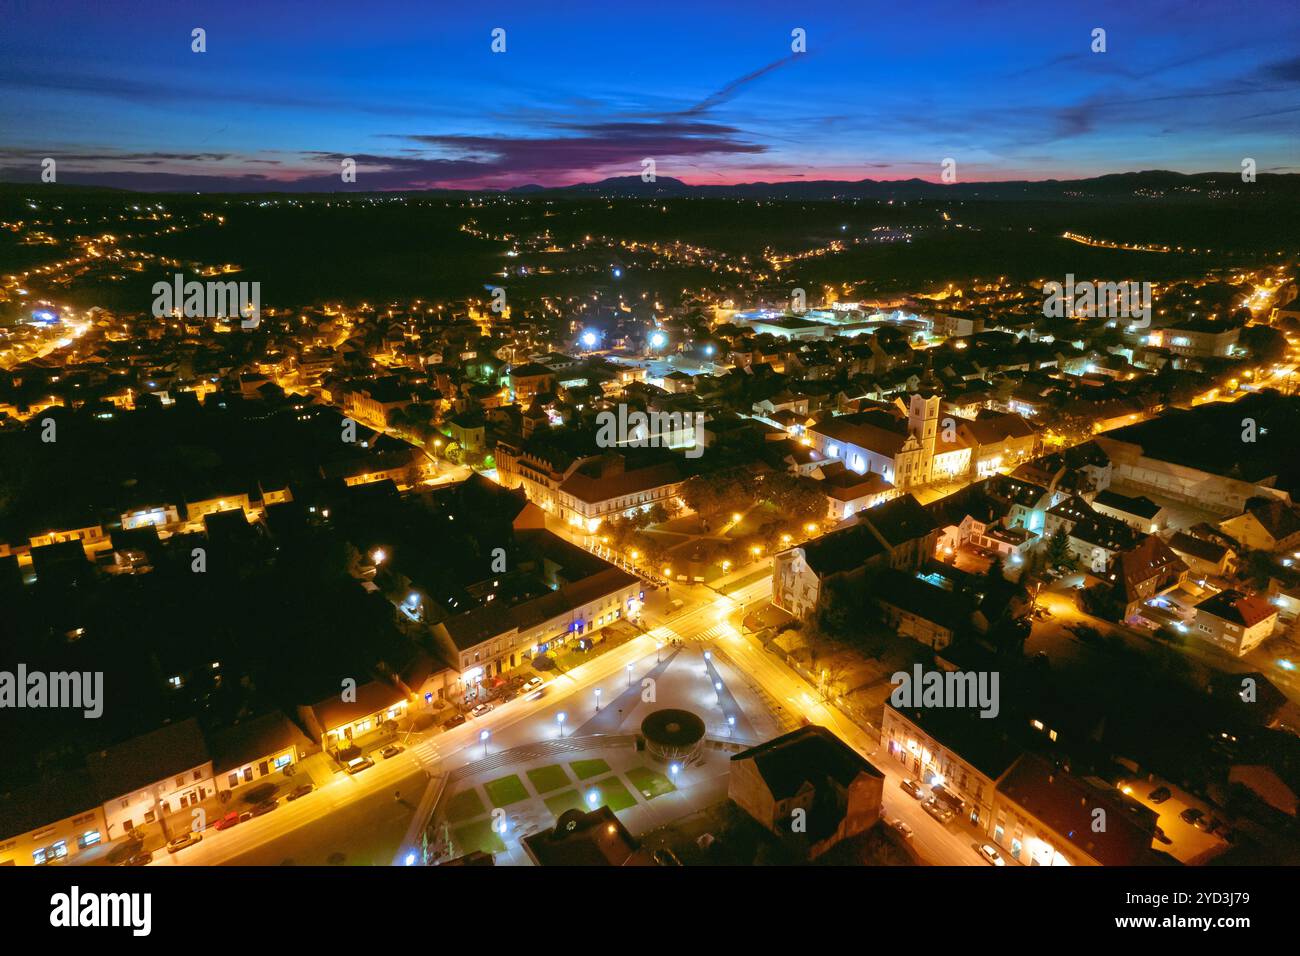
585 90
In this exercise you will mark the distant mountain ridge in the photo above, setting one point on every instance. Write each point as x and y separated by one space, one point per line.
1111 186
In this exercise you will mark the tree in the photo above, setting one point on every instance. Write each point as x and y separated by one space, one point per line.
795 496
1058 548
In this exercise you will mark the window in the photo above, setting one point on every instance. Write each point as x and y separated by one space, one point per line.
89 838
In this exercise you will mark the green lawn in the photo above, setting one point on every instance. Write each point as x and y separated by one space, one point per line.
477 836
569 800
612 793
465 806
651 783
589 768
505 791
548 778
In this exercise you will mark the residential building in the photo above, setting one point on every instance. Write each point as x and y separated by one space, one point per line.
809 788
147 778
1139 513
1236 622
1267 524
898 534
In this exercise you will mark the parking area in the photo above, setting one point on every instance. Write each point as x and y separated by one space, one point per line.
1188 843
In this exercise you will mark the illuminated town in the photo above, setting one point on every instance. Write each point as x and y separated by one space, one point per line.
631 516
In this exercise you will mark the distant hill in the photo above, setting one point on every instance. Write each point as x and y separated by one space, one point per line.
1138 186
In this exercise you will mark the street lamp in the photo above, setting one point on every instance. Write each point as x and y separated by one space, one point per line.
629 675
598 700
672 771
559 719
483 736
731 724
593 797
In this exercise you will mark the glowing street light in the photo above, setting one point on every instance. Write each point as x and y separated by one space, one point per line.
379 555
593 797
559 719
629 675
658 339
590 339
731 724
598 699
483 735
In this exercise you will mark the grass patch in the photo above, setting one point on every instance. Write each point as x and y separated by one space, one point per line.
464 806
569 800
477 836
505 791
613 794
651 783
548 778
589 768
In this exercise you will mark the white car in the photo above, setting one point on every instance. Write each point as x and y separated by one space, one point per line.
531 685
904 830
480 710
990 854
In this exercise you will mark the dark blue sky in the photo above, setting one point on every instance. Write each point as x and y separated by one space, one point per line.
586 90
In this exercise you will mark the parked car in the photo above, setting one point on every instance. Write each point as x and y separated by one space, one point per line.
228 821
482 709
1159 795
911 788
358 764
1191 815
138 859
1160 835
266 806
665 857
188 838
1207 824
300 791
990 854
531 685
392 750
937 810
904 830
455 721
